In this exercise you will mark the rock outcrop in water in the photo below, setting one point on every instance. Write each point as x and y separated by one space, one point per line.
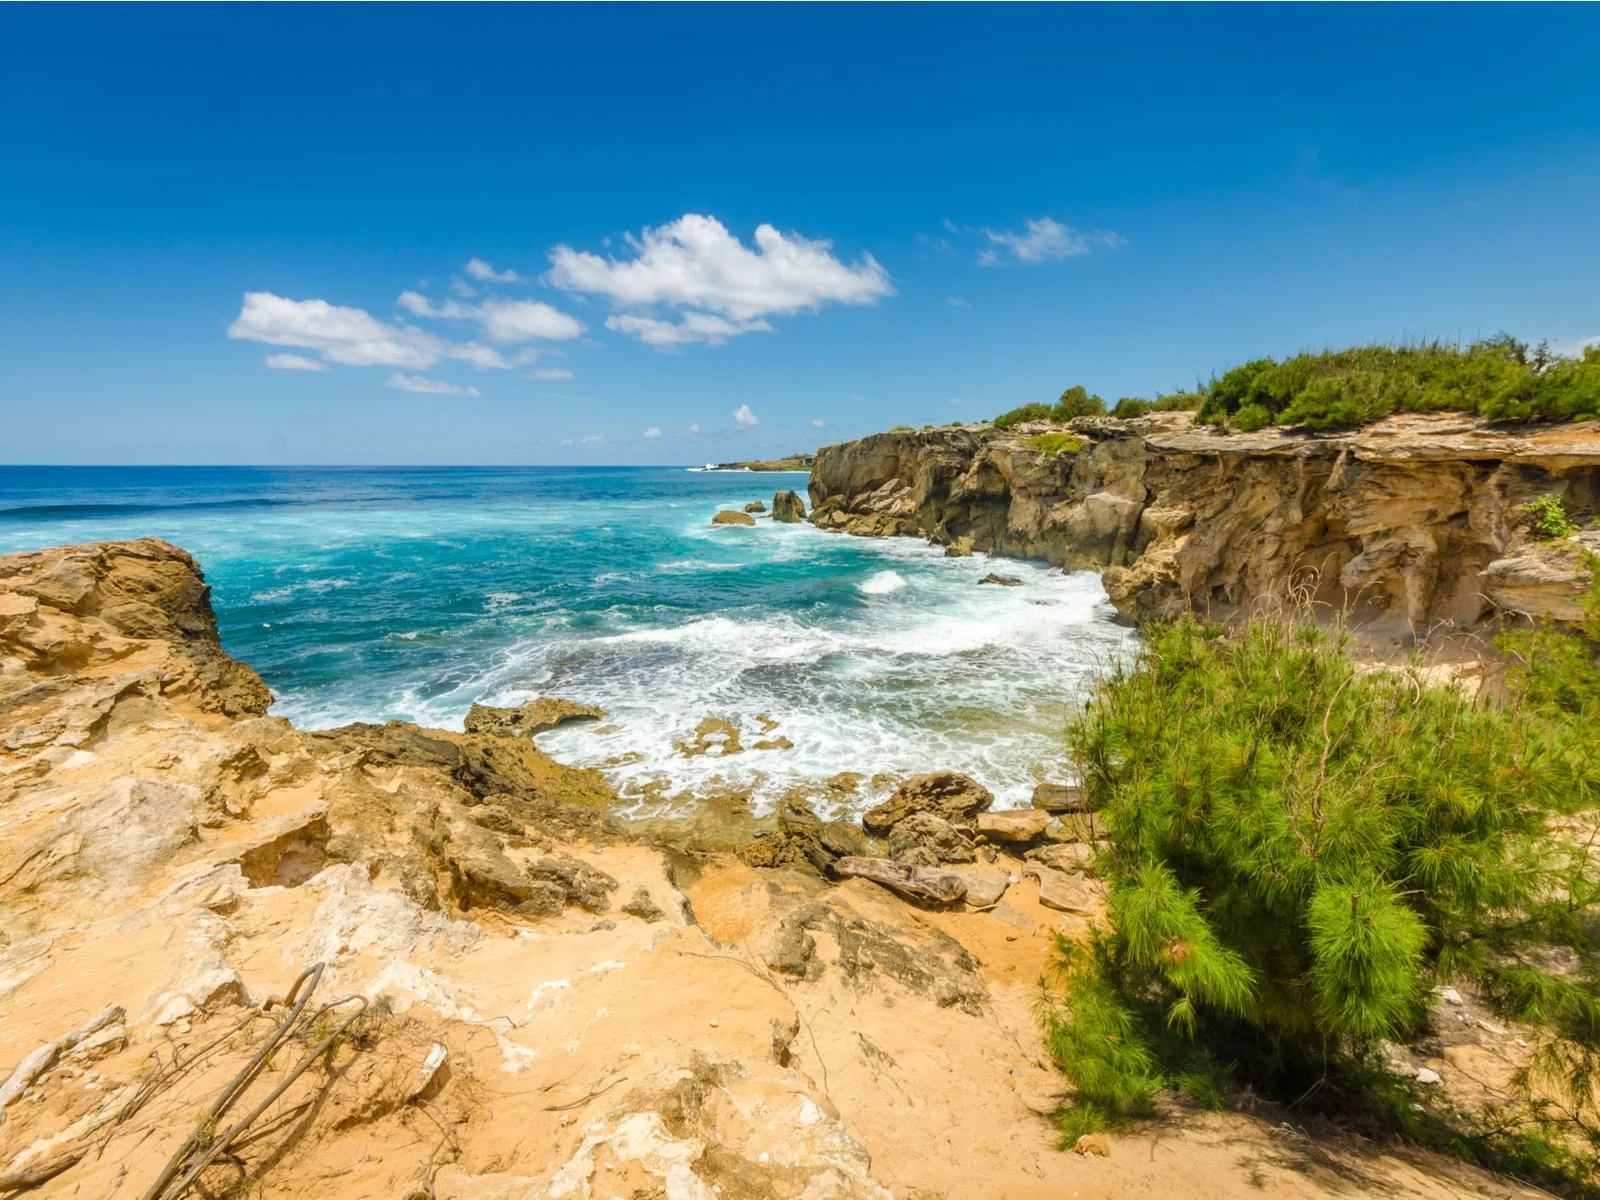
788 508
1411 523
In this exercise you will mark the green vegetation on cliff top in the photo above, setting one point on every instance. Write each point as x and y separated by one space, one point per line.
1500 378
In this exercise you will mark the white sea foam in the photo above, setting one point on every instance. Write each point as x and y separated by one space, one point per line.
897 661
882 583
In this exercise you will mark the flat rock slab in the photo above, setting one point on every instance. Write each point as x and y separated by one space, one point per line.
1060 891
922 885
1023 825
985 885
1059 798
526 720
1068 857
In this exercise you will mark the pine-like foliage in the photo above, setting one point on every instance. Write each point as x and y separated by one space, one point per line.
1300 848
1501 378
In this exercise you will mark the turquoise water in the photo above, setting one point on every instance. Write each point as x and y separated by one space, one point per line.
412 593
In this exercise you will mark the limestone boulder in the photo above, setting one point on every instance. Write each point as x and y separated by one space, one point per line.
948 795
925 840
732 516
788 508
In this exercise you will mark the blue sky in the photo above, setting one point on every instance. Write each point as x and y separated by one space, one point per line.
750 230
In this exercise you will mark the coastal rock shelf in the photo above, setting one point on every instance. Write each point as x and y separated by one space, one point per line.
1412 523
640 1008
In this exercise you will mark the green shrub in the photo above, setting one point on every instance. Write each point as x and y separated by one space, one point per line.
1077 402
1132 406
1026 412
1250 418
1499 378
1299 850
1179 401
1550 518
1052 444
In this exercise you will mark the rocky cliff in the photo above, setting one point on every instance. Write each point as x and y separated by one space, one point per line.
239 959
1414 523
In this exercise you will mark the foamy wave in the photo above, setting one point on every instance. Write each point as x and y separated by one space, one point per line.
882 583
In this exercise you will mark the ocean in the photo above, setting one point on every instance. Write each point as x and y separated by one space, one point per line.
371 594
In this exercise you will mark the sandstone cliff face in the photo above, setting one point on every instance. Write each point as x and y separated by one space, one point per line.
1404 526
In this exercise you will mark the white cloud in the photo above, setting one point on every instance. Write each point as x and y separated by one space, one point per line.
485 273
652 433
958 302
1044 240
593 439
353 337
695 267
525 320
550 373
743 416
429 387
695 327
502 320
293 362
695 428
818 424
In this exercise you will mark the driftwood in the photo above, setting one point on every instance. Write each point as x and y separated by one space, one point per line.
922 885
45 1057
32 1177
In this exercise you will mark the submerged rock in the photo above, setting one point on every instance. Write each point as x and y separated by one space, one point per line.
731 516
526 720
1002 580
788 508
946 794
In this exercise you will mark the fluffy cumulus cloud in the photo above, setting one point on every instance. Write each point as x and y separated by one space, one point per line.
428 387
693 429
484 273
293 362
349 337
652 433
710 285
743 416
1041 241
353 337
818 423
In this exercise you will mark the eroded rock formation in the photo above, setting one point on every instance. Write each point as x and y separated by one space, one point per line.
1415 522
514 995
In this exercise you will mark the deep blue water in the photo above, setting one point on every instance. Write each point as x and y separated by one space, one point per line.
365 594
